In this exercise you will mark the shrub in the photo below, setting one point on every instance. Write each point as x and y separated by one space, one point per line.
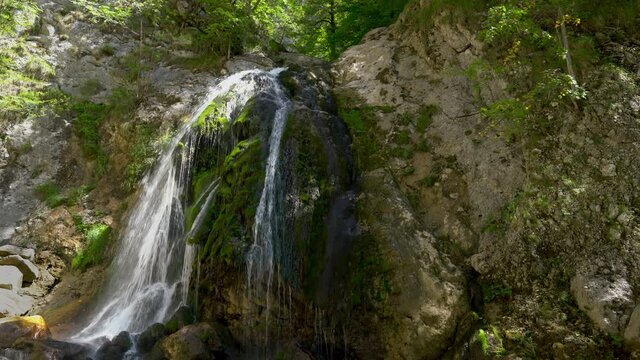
87 127
97 239
50 193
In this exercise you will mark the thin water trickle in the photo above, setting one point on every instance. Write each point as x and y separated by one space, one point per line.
260 258
149 277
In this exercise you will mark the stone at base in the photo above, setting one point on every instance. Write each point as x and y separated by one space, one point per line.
28 327
12 304
10 278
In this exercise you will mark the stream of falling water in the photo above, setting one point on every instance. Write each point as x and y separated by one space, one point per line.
149 277
260 259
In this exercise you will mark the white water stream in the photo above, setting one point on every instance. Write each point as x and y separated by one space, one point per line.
149 277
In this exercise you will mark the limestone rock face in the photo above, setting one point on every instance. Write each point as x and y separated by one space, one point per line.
447 187
431 297
248 62
609 303
29 327
10 278
29 271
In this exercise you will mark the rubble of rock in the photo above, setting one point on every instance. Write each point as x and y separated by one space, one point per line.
16 271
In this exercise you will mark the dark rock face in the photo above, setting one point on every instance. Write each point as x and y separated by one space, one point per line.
182 317
148 338
116 348
197 341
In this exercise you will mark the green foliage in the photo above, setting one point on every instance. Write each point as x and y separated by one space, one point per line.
143 154
107 49
224 29
89 117
23 94
115 13
53 196
466 11
75 195
491 292
50 193
38 68
16 13
96 239
123 101
328 27
526 53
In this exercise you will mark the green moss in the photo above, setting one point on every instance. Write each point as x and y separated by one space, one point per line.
425 117
96 239
211 119
366 142
240 177
403 137
484 341
107 49
371 276
309 236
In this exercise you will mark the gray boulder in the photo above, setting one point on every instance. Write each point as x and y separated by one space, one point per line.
29 271
10 278
7 250
608 302
148 338
12 304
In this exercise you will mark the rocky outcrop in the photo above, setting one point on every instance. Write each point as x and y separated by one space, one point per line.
30 327
430 179
17 270
10 278
7 250
12 304
29 271
198 341
115 348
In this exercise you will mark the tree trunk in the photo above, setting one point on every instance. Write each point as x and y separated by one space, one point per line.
565 44
333 52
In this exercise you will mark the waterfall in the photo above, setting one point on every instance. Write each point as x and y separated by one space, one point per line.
149 277
260 258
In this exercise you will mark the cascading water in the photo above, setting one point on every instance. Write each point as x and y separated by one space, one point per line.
149 277
260 259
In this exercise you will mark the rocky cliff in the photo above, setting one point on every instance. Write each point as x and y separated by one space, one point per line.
409 225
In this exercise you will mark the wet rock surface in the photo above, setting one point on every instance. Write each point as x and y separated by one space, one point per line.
30 327
115 348
198 341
